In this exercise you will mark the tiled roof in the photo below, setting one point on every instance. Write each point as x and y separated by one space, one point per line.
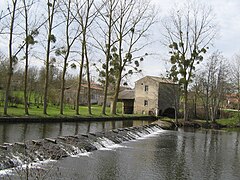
93 86
161 79
126 94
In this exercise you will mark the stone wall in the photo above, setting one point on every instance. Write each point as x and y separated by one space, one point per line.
168 94
146 90
154 97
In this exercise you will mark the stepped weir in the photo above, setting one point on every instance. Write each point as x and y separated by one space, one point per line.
21 153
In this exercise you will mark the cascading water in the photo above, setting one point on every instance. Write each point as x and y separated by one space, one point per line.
17 154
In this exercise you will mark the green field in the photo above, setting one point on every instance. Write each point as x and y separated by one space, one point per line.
231 120
53 111
36 110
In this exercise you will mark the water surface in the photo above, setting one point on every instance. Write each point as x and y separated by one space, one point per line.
20 132
169 155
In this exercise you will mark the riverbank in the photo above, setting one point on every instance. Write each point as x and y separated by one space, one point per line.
54 111
166 125
73 119
16 115
171 124
59 147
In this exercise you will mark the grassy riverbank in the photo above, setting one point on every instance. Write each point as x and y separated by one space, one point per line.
16 115
53 111
230 122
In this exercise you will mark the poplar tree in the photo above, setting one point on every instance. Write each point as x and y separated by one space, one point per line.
189 32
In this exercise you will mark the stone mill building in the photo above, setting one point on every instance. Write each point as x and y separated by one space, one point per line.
155 96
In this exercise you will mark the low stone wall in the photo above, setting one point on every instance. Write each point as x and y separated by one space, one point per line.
194 124
166 125
20 153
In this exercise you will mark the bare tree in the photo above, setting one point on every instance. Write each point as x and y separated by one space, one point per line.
189 32
51 38
235 71
12 58
5 13
3 70
134 20
105 23
213 84
218 89
32 82
2 16
85 17
72 33
29 40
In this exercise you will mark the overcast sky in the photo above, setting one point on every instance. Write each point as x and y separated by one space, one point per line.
228 19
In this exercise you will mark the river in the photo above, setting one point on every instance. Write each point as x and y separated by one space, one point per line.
10 132
182 154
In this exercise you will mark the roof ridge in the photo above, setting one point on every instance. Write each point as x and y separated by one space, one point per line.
161 79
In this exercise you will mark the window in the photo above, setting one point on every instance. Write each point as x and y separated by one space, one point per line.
145 103
146 88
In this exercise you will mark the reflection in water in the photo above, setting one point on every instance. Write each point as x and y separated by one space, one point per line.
190 155
21 132
169 155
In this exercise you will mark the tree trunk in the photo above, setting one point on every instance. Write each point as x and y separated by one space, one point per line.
105 94
7 90
176 103
89 82
26 82
63 85
185 106
10 70
238 96
80 75
115 97
65 58
207 107
45 97
46 83
26 63
107 65
79 87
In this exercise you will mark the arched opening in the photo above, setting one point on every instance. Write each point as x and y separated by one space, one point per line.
169 112
151 113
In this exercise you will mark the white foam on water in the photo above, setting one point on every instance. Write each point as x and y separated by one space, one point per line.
5 172
154 134
110 145
16 160
97 145
133 135
106 142
35 165
87 154
80 153
111 148
103 143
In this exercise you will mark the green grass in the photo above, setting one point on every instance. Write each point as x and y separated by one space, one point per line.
230 122
54 111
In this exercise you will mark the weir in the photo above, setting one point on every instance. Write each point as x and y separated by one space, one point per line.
21 153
